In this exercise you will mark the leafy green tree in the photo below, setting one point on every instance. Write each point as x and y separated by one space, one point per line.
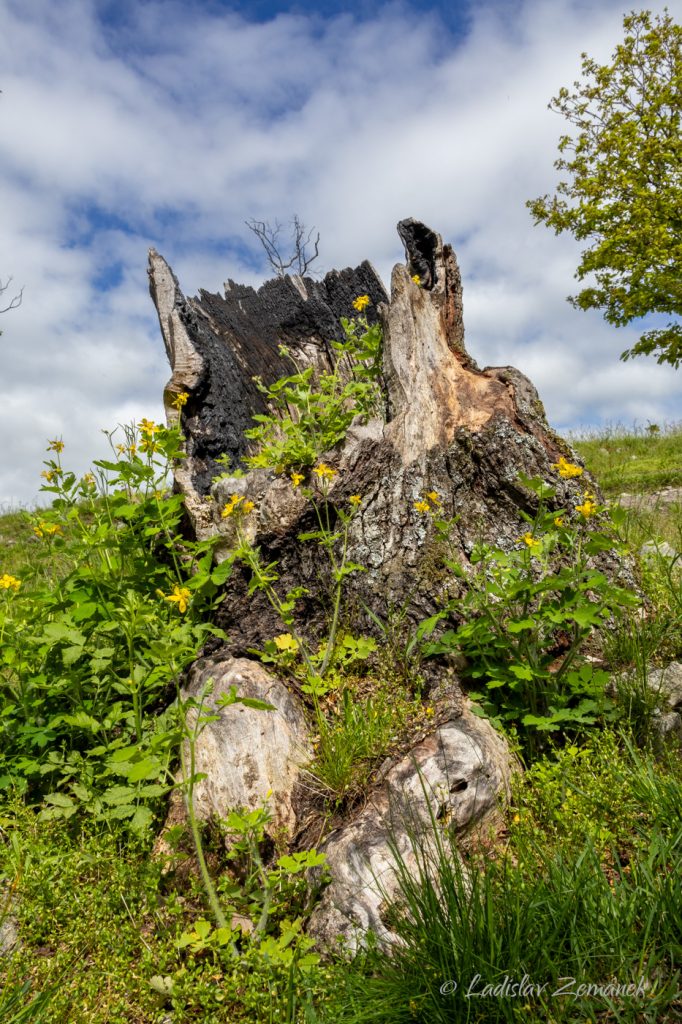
623 191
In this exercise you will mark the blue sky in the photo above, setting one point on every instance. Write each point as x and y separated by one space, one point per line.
126 125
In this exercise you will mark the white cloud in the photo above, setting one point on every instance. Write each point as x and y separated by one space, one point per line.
178 122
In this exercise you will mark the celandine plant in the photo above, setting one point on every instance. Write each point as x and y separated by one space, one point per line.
311 413
290 648
527 613
96 631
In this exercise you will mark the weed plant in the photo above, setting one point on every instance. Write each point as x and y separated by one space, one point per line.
95 631
106 937
526 615
312 412
567 905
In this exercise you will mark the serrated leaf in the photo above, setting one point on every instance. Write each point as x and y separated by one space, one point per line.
84 611
121 811
163 984
586 616
141 819
521 671
118 795
143 769
221 573
520 625
59 800
124 754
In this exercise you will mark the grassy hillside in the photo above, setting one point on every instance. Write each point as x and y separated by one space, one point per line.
582 880
633 461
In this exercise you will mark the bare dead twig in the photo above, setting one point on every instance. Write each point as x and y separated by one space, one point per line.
300 259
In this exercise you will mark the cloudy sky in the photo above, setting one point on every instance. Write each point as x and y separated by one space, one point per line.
133 123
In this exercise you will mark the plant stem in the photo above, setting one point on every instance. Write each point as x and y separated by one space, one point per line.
190 735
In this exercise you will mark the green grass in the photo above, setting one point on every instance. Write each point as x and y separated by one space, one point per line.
587 888
634 461
100 918
588 883
357 733
640 462
16 541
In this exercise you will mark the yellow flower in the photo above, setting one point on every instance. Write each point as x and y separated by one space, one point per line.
324 472
48 474
417 279
558 521
531 541
516 819
588 507
355 500
235 499
132 449
286 642
430 712
433 497
8 582
149 427
88 480
179 596
422 506
247 506
362 302
567 469
120 448
44 529
147 444
180 400
297 479
55 446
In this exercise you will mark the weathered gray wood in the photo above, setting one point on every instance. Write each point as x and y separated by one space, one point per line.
459 777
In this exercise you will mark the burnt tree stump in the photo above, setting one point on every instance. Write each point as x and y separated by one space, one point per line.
449 428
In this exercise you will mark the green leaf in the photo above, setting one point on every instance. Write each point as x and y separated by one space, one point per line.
545 724
143 769
141 819
81 720
257 705
118 795
587 615
221 573
125 754
120 812
84 611
520 625
59 800
521 671
162 984
70 655
203 928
